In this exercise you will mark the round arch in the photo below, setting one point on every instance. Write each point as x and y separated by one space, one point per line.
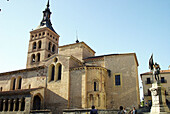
37 101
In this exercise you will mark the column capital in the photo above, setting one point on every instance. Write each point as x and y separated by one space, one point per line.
9 100
4 100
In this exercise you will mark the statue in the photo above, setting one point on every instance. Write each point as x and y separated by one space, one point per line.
156 71
157 91
155 68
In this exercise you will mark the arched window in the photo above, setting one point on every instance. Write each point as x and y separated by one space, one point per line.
53 48
49 46
34 45
19 82
38 57
96 85
39 44
59 71
13 81
51 72
95 88
33 58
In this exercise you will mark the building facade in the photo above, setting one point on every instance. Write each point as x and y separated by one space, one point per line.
68 77
147 83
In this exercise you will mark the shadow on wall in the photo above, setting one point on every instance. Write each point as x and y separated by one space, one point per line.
55 102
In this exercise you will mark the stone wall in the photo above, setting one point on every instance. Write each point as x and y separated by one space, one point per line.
78 50
127 94
31 78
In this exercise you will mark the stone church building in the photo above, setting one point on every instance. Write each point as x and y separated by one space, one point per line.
68 77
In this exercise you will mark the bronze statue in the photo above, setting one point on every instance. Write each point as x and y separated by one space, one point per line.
156 71
155 68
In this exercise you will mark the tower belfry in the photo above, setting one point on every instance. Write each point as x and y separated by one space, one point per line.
43 41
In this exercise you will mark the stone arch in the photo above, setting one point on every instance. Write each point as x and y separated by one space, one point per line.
37 101
17 104
6 105
22 104
58 72
34 45
19 82
39 44
51 72
13 82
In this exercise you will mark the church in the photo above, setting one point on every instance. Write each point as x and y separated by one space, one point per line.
68 77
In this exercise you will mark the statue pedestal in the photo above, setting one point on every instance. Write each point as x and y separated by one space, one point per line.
158 99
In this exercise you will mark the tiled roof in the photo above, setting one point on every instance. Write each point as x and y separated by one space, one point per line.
101 56
22 70
162 72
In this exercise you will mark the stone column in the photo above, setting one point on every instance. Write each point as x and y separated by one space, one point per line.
84 89
27 104
4 101
102 101
20 103
15 103
9 104
158 99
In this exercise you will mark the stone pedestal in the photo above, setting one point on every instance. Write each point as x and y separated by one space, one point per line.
158 99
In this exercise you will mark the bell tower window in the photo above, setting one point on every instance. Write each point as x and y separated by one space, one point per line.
38 57
53 48
42 42
34 45
39 44
33 58
49 46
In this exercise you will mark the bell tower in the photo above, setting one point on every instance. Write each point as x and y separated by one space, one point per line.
43 41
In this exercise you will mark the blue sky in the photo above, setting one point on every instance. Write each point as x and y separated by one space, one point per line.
107 26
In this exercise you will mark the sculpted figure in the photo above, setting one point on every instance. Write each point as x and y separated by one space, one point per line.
156 71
